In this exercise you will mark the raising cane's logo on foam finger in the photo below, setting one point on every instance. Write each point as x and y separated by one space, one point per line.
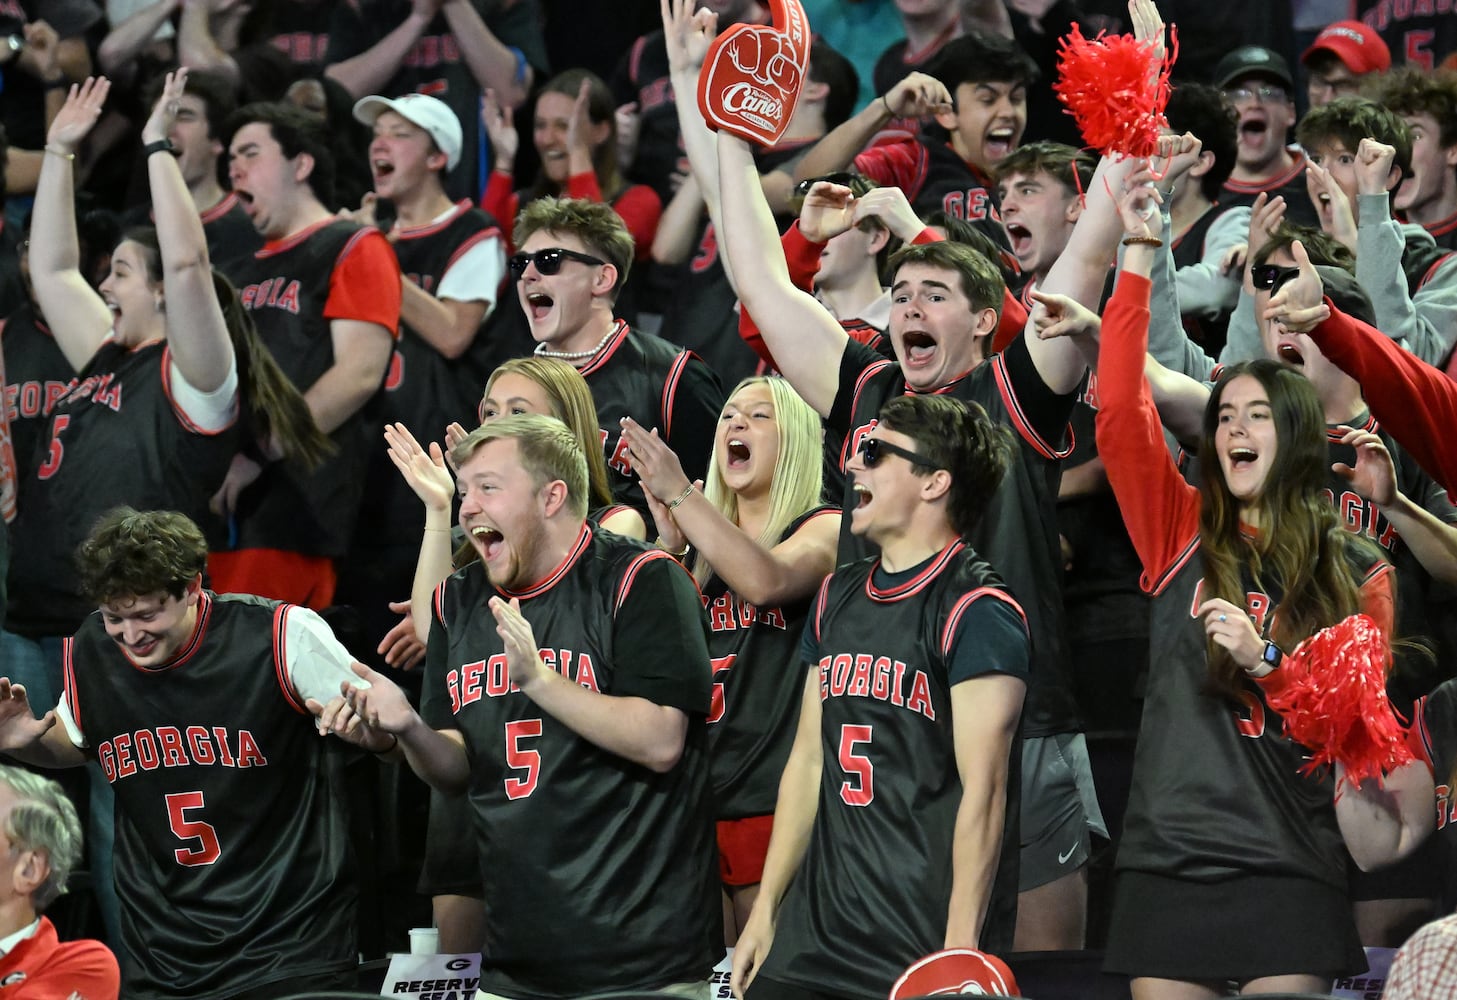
753 73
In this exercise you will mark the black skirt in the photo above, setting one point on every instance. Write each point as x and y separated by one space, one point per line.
1238 929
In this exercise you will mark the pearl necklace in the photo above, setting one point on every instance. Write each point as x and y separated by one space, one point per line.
541 350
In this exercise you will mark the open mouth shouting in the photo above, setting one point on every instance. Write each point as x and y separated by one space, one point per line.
1242 457
1020 237
737 454
487 540
538 305
1290 354
920 348
999 142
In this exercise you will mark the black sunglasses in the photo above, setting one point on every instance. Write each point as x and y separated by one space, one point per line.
872 450
548 261
842 178
1265 277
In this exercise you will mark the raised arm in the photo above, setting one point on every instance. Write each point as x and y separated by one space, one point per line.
1160 510
124 42
493 63
916 96
199 46
1080 272
428 476
196 332
803 337
766 577
76 314
1422 319
1416 402
370 70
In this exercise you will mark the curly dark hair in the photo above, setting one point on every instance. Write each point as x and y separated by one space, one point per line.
133 553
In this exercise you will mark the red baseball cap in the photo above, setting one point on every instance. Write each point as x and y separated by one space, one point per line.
1354 44
956 971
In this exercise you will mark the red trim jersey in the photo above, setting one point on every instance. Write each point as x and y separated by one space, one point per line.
1418 34
294 288
1423 607
116 437
873 891
1018 533
757 680
42 967
1436 729
659 385
230 235
232 836
37 375
1216 785
599 874
1289 185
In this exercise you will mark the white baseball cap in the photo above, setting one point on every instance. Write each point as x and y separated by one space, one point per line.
433 115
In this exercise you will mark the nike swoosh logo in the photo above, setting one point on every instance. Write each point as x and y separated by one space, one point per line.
1062 858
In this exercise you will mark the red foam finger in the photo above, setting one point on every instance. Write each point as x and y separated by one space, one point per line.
752 76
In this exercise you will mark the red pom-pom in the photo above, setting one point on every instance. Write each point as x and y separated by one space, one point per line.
1332 697
1115 90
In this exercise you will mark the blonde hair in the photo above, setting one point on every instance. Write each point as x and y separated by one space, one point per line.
547 449
798 473
572 404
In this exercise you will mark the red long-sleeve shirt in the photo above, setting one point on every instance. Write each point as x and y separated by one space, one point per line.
638 206
1414 401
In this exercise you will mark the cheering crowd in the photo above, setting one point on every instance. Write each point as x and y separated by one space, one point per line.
737 505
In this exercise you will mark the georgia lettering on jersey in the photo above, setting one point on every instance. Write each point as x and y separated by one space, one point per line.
273 293
865 675
169 746
35 399
491 678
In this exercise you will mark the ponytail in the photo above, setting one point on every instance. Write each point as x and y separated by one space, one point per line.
275 408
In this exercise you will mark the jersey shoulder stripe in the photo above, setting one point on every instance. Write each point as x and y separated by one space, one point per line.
670 391
1020 420
1156 587
964 602
280 658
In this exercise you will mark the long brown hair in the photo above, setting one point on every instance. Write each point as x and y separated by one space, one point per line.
1302 550
275 407
601 108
